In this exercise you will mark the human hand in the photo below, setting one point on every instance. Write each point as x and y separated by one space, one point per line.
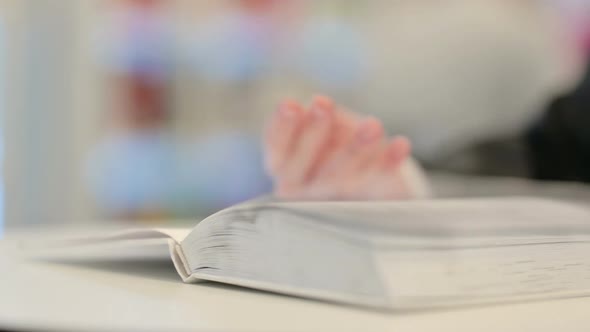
326 153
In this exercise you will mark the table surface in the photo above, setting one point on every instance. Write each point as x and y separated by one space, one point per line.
149 296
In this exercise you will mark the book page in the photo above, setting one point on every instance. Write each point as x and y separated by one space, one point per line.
177 234
514 216
436 224
136 244
477 275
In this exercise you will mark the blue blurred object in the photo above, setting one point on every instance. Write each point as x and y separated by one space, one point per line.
332 52
138 173
226 168
142 42
232 47
133 172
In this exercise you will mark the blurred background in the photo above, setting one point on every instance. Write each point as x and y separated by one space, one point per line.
152 110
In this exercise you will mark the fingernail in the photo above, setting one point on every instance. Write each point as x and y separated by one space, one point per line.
319 113
367 132
287 111
396 152
323 101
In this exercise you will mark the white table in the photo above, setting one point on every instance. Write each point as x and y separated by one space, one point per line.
150 297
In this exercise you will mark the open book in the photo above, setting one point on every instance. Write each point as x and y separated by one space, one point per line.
397 255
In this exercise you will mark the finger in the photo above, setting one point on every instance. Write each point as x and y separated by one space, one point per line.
345 172
365 149
281 133
342 130
363 141
365 146
311 143
342 133
319 184
387 180
396 152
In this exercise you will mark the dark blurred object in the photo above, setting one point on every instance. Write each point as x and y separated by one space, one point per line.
559 143
499 156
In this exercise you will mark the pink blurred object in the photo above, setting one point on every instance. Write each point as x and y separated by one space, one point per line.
584 39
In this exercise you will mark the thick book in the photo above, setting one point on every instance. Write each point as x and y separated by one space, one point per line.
393 255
